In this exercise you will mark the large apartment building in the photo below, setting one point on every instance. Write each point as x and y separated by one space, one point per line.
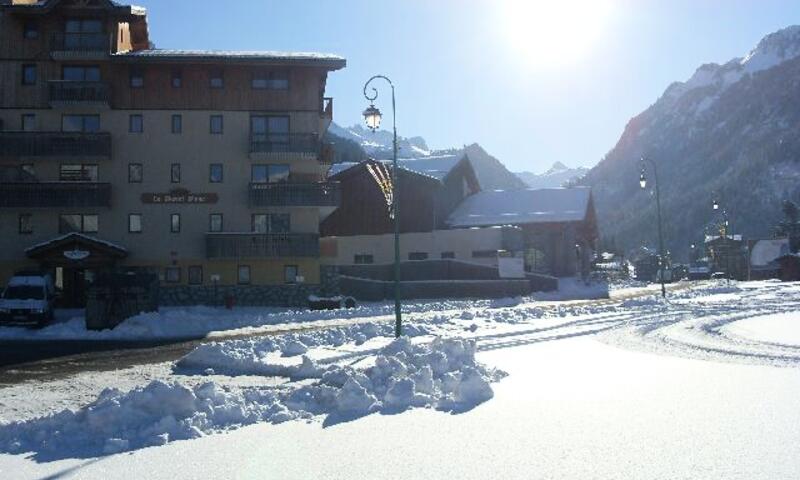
206 167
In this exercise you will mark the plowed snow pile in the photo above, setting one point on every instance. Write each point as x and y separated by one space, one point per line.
442 374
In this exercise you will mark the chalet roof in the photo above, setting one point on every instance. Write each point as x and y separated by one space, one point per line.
114 248
765 252
437 167
328 60
42 6
523 206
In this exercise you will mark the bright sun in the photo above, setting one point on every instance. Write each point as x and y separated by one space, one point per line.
553 33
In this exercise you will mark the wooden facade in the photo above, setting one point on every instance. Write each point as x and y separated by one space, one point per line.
425 202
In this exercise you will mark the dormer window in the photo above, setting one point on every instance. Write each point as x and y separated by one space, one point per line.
30 30
215 79
136 78
84 34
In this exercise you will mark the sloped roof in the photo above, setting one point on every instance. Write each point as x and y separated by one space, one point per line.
523 206
714 238
41 6
117 250
294 58
766 251
437 167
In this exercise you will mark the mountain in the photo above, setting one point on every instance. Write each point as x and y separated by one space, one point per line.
556 176
378 144
730 132
491 173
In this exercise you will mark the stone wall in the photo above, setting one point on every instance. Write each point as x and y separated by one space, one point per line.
243 295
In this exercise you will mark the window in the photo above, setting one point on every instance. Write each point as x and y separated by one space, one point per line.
269 173
448 255
270 133
484 253
135 223
78 172
177 124
196 275
80 123
270 223
215 173
216 124
215 222
271 81
172 274
135 124
243 275
135 172
290 273
25 224
215 79
28 122
177 79
80 73
363 259
175 173
30 30
175 223
83 25
136 78
77 223
418 255
29 74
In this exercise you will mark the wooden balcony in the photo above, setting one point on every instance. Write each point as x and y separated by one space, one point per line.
55 194
80 46
261 245
288 194
69 93
55 145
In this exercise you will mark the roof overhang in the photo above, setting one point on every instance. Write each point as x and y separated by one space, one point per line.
45 6
211 57
76 242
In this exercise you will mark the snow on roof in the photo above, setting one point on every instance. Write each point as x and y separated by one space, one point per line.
267 55
711 238
767 251
437 167
514 207
76 235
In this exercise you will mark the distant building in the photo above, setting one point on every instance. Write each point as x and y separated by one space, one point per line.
764 256
559 225
727 254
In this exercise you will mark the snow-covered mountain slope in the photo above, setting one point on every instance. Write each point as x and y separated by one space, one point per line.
730 131
379 143
556 176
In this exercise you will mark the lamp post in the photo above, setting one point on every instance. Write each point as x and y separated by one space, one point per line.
643 184
372 117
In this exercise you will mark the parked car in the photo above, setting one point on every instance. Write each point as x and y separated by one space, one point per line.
719 276
28 300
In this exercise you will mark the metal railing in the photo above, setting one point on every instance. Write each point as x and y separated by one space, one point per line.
284 143
69 91
288 194
80 42
55 194
261 245
55 144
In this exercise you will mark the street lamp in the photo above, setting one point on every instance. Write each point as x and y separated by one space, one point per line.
372 117
643 184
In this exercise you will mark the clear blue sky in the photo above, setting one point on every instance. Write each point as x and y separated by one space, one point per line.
530 82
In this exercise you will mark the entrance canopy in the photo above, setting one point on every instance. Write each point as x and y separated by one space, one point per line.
77 249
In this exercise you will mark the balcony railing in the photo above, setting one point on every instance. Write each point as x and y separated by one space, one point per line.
286 194
262 245
284 143
80 42
79 92
54 144
55 194
327 108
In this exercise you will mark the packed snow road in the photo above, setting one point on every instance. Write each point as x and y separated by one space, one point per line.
66 348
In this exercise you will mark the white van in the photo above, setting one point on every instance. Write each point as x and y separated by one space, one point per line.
28 300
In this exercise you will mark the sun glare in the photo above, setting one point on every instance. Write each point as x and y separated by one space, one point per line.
553 33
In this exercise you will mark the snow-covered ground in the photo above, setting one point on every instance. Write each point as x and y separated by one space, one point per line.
704 385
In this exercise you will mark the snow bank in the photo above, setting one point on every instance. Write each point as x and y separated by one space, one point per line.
442 374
